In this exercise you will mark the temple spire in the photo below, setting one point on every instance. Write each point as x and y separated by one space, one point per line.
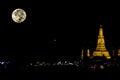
88 53
118 52
100 31
100 49
100 26
82 54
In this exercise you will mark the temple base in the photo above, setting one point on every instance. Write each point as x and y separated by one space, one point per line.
100 53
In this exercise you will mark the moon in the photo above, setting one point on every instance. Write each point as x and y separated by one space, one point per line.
18 15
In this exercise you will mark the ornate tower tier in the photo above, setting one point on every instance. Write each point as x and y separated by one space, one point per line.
100 49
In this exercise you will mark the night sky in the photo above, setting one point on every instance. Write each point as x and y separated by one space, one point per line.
32 37
75 27
80 26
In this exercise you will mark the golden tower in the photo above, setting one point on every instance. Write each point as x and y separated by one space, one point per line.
100 49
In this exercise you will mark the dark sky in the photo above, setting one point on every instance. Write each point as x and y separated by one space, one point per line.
75 26
33 35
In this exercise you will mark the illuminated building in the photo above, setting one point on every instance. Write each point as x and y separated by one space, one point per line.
82 55
88 53
118 52
100 49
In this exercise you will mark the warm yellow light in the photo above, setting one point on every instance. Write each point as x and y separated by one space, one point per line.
88 52
100 49
118 52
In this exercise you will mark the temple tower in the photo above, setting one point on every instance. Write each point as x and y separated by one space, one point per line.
100 49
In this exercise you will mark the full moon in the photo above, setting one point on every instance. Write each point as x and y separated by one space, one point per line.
18 15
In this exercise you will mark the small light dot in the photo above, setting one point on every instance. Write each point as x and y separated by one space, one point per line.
54 39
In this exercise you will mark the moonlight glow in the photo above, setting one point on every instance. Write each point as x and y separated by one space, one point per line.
18 15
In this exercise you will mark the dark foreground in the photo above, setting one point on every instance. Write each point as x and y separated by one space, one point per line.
55 73
75 74
62 73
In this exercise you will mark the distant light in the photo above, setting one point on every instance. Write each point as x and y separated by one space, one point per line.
101 66
55 40
31 64
2 62
65 61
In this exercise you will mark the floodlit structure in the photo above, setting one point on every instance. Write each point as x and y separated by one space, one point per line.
88 53
101 49
118 52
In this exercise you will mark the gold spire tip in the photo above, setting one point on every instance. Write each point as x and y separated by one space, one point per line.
100 26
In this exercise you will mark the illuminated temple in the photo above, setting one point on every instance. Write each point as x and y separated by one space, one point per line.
101 49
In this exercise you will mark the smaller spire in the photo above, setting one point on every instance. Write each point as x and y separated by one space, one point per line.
88 52
100 26
82 54
118 52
